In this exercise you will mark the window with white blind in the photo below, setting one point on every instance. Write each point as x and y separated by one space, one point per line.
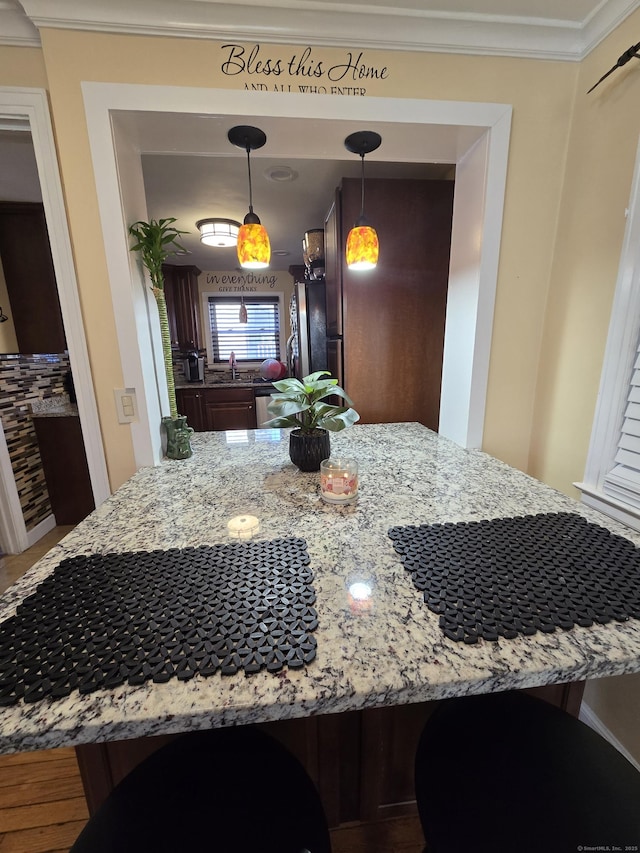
611 481
255 340
623 480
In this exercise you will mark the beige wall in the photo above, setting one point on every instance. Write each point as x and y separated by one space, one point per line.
542 96
22 66
597 183
602 150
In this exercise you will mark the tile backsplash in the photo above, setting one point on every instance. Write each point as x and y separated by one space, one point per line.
219 373
27 379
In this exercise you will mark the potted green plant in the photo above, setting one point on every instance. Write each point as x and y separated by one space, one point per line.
301 404
155 241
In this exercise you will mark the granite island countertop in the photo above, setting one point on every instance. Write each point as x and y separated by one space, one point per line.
391 653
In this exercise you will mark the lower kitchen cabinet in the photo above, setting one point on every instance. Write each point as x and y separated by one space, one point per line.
217 408
189 402
229 408
64 463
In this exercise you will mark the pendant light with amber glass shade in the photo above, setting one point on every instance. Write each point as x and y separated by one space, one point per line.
362 241
254 249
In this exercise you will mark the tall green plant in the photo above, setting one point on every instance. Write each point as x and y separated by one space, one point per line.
156 240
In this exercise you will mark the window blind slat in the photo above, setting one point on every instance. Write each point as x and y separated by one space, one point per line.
633 411
628 458
629 442
623 484
631 427
634 394
626 475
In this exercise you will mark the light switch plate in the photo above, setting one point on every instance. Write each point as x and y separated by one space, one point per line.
126 405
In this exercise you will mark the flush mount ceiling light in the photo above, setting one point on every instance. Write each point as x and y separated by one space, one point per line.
218 232
254 250
362 242
280 174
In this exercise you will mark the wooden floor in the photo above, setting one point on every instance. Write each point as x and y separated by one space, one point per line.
14 566
398 835
42 805
42 810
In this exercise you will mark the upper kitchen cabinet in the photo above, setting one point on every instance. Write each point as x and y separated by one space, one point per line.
183 306
31 282
391 319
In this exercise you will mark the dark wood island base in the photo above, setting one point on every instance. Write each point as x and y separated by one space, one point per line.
360 761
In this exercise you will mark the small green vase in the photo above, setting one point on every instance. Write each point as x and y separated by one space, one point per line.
178 437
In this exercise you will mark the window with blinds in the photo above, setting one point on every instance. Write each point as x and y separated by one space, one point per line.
623 481
255 340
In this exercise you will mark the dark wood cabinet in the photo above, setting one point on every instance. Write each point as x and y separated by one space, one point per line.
361 761
64 463
217 408
229 408
333 268
334 360
183 306
392 318
189 402
389 739
31 282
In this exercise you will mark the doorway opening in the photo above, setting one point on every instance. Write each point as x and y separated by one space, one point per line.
474 136
27 109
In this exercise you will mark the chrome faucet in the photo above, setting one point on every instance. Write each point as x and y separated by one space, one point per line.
234 365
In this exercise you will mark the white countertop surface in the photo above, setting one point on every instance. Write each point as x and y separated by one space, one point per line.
392 653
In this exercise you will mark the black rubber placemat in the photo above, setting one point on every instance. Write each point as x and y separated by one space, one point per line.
103 620
510 576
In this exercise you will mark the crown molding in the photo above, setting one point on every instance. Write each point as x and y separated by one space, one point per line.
606 17
16 30
364 25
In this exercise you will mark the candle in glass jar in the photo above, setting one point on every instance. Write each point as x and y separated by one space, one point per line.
339 480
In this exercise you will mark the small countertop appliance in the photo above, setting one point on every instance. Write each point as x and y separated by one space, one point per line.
193 367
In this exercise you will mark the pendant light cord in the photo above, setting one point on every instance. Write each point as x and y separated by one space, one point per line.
250 189
362 190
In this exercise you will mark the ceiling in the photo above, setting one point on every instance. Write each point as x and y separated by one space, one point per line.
294 175
191 188
191 171
559 29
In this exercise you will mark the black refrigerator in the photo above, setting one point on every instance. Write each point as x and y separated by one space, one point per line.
307 347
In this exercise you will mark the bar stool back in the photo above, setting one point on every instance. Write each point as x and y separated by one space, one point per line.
233 789
509 773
